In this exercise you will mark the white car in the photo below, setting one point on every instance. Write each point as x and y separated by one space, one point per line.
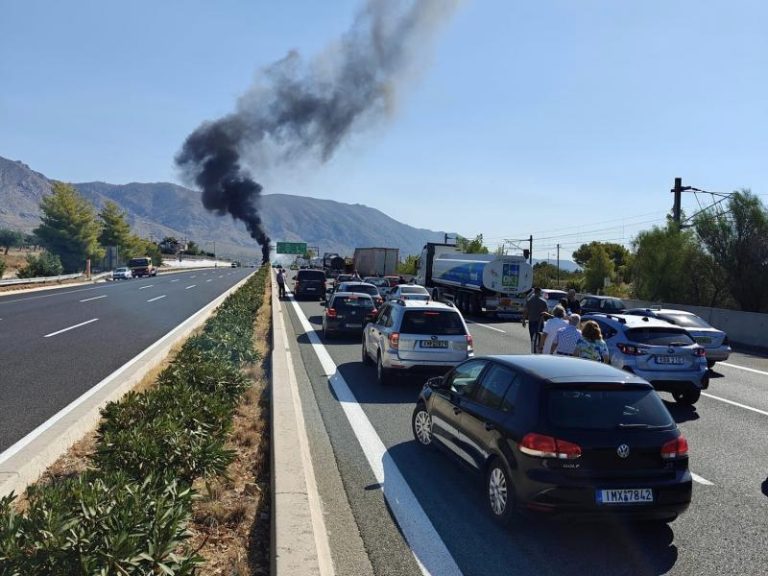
122 274
409 292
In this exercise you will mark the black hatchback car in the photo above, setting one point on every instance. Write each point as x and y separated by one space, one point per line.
559 435
348 313
309 284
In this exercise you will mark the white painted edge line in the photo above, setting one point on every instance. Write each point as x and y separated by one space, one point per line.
763 372
20 444
192 286
429 550
485 326
94 298
145 287
70 328
4 301
700 480
763 412
156 298
324 557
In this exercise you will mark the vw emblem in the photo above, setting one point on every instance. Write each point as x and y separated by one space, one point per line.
622 451
433 337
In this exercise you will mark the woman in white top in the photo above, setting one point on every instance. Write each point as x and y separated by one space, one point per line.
551 327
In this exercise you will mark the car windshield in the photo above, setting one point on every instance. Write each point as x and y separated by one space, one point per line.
315 275
684 320
346 302
435 322
659 336
613 305
601 407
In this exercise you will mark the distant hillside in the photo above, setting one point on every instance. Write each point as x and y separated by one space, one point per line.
164 209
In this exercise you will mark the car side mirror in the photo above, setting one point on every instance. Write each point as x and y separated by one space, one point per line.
437 383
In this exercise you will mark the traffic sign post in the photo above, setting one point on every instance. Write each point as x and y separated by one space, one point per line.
291 248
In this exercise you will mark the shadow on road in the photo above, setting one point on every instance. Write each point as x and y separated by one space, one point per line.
680 412
764 487
362 382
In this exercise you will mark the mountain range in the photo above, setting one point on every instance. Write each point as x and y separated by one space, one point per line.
156 210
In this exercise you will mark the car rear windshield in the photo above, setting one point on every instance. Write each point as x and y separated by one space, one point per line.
438 322
413 290
660 336
343 302
605 408
372 290
315 275
556 295
685 320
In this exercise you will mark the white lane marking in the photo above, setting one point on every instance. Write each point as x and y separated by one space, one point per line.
325 560
742 368
700 480
145 287
175 280
3 301
429 551
485 326
156 298
193 276
763 412
94 298
70 328
192 286
221 276
209 280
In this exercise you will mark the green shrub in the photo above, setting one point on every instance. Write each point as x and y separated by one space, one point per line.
94 524
46 264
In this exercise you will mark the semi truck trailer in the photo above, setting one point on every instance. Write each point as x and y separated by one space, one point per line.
475 283
376 261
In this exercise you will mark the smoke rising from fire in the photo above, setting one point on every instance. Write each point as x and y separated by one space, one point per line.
298 110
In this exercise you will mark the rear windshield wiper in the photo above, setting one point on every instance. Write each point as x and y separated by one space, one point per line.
625 425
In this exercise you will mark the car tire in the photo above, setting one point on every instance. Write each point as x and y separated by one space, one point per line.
500 493
382 374
687 397
366 359
421 425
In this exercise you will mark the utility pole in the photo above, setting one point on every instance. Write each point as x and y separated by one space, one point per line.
558 265
677 191
530 249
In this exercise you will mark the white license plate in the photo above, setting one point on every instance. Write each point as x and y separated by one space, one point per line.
670 360
311 289
433 343
354 325
625 496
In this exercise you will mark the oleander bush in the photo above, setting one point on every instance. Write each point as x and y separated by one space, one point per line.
127 514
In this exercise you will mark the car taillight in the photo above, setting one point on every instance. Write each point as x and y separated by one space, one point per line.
543 446
700 351
394 340
470 343
373 312
677 448
631 349
330 312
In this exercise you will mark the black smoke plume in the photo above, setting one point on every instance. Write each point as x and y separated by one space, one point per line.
299 110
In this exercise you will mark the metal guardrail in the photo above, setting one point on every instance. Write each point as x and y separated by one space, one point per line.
42 280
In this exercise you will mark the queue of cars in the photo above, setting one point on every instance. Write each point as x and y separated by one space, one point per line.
546 433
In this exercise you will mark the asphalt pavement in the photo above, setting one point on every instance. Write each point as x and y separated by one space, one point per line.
399 493
57 344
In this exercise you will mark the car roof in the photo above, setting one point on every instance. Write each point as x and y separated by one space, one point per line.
662 311
357 283
564 369
629 320
425 304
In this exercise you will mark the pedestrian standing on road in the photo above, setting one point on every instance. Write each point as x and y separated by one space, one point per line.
280 283
573 307
591 344
534 307
566 338
551 327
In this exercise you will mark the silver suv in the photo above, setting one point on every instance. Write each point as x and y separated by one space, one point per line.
663 354
410 335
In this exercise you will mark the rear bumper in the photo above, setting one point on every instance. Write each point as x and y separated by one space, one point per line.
719 354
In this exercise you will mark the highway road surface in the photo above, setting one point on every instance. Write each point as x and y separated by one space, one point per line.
57 344
418 512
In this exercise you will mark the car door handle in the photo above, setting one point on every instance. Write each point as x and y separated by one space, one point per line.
489 426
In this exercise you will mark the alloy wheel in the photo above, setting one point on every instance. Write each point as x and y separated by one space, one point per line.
497 490
422 426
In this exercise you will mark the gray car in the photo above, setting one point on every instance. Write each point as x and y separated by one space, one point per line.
663 354
411 335
714 341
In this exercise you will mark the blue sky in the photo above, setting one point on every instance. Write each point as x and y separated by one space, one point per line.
563 119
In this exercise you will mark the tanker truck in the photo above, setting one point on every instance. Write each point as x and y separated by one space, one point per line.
475 283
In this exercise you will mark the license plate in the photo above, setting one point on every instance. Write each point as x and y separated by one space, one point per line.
625 496
703 340
311 289
433 343
354 325
669 360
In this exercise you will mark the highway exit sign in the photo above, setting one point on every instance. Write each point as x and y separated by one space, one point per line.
291 247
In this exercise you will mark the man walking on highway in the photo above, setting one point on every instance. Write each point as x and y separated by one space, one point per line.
573 305
566 338
281 283
532 314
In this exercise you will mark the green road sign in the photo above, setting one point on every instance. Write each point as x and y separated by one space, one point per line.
291 247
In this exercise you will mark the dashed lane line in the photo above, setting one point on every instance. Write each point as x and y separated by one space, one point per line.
156 298
700 480
94 298
145 287
70 328
192 286
209 280
176 280
429 550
